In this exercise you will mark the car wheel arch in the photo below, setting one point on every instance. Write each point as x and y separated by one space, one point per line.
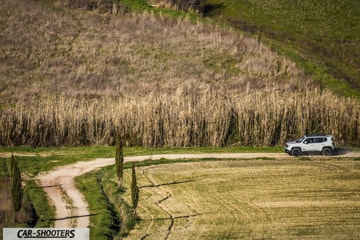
296 151
326 151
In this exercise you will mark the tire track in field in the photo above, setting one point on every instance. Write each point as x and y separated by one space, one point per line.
166 195
152 185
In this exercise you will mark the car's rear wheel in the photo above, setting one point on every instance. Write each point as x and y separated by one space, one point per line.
296 152
326 152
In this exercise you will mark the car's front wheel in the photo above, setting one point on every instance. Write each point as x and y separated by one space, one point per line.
326 152
296 152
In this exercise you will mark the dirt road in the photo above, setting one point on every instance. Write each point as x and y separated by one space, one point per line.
72 209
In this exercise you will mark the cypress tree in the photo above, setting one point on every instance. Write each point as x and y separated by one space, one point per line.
134 190
119 157
16 187
12 164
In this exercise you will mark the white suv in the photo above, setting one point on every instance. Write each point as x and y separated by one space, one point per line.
315 143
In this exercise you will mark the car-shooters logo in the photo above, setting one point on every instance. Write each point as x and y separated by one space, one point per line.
46 233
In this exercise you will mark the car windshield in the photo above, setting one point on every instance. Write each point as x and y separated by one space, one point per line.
300 140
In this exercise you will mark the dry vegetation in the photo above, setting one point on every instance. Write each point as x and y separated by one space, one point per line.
87 54
248 200
98 5
190 5
68 77
182 119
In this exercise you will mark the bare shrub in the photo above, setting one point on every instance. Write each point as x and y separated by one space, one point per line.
102 5
192 5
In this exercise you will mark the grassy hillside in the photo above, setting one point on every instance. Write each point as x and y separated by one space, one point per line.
324 32
71 73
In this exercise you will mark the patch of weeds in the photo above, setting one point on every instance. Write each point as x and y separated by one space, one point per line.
265 158
223 63
43 209
104 220
304 230
115 196
137 5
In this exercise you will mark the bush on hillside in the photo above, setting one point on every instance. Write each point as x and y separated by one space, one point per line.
100 5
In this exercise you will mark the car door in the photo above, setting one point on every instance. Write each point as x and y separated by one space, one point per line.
321 143
309 145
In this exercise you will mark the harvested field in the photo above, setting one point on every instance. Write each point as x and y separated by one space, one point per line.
252 199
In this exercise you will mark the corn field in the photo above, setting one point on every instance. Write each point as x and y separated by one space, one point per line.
254 118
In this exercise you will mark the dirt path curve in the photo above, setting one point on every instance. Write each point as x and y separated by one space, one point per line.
71 207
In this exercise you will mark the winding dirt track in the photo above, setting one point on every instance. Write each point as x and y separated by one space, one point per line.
72 209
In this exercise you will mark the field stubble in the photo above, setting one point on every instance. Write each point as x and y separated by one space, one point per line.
249 200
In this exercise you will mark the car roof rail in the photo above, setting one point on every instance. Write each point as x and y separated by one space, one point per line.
317 135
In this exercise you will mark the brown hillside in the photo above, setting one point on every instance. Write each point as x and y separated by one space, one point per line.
69 76
48 51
